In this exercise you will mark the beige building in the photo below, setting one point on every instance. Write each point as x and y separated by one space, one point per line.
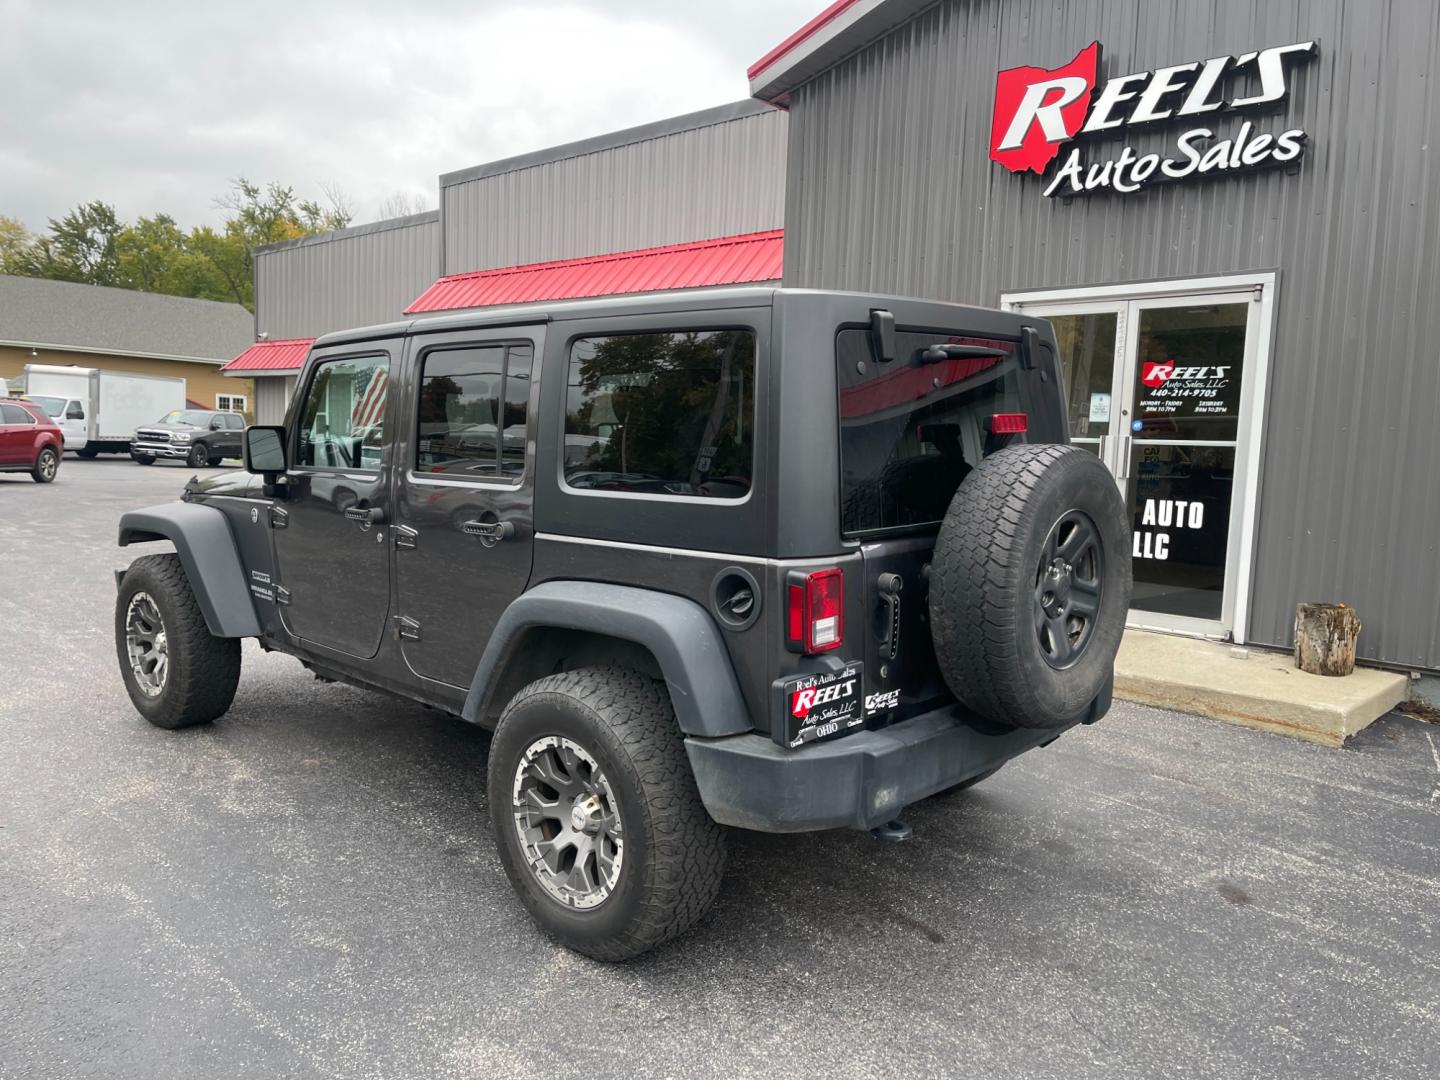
60 322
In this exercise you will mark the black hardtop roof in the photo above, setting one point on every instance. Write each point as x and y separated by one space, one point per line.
641 304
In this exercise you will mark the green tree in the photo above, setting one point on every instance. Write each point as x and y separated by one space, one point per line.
15 239
92 245
79 247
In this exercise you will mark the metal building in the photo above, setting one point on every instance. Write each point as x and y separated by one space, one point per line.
1249 331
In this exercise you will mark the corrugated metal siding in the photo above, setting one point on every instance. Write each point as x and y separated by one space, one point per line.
718 180
891 189
355 277
271 397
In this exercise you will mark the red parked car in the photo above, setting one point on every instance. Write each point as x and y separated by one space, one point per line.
29 440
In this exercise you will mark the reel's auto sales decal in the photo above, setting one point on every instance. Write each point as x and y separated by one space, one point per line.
1039 110
1175 389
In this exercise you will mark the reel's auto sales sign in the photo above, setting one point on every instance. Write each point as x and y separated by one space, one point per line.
1039 110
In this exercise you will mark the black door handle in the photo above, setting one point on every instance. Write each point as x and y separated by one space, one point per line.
365 515
488 530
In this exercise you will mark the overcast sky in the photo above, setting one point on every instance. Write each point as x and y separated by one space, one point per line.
156 106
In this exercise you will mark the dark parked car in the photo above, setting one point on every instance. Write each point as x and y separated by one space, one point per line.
768 559
29 440
198 437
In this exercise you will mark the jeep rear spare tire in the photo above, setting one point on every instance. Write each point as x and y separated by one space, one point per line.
1030 585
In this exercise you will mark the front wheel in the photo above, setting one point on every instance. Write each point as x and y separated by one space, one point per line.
47 464
176 672
598 822
199 457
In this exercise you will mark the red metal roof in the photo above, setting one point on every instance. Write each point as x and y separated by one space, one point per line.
829 15
729 260
287 355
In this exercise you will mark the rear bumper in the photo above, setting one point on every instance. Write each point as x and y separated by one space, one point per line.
160 449
859 781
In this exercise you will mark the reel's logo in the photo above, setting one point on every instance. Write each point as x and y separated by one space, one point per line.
1039 110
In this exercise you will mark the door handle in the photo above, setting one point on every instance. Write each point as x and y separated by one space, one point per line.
488 530
367 515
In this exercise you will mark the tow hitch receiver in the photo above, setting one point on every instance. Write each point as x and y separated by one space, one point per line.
893 831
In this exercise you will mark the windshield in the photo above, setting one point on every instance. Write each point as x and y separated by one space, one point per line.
53 406
912 428
185 416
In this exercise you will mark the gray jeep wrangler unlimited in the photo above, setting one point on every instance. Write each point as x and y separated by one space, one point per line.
758 558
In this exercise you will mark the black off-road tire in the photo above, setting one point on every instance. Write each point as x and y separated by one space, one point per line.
985 585
199 456
143 459
674 853
204 670
47 464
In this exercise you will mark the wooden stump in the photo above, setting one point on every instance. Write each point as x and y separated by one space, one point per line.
1325 638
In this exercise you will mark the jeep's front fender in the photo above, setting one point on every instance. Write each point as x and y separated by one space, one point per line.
679 633
206 547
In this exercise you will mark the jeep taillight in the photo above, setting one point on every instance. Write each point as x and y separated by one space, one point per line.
816 611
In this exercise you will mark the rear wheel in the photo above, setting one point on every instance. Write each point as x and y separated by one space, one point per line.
176 672
1030 585
47 464
87 453
598 823
143 459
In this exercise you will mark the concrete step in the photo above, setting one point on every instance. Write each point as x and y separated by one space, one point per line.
1263 689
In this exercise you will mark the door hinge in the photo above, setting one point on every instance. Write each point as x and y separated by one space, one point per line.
405 536
279 517
406 628
282 594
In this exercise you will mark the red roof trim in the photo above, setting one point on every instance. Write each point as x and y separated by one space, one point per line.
727 260
284 355
810 29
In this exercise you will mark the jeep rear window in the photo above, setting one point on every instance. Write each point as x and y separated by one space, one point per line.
911 430
667 414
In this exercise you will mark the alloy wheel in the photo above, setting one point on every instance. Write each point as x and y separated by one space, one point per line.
49 463
568 822
146 644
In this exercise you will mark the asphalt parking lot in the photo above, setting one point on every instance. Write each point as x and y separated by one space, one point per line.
309 888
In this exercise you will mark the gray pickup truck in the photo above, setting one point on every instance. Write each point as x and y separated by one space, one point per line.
756 558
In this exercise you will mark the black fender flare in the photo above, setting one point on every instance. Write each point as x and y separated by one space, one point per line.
678 632
207 551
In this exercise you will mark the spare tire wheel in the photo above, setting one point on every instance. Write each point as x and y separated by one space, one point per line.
1030 585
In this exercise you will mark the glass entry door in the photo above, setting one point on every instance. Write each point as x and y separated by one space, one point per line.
1160 388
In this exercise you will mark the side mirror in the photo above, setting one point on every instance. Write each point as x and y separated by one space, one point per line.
265 451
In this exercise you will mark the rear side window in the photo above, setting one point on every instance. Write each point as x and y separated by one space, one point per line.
473 403
14 414
913 428
669 414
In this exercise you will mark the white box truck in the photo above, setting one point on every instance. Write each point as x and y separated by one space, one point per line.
99 410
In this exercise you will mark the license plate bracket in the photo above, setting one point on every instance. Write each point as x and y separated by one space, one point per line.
821 705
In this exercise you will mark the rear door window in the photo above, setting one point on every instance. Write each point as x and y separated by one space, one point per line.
911 429
667 414
473 405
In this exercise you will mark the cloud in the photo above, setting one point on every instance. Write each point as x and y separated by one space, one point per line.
156 106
